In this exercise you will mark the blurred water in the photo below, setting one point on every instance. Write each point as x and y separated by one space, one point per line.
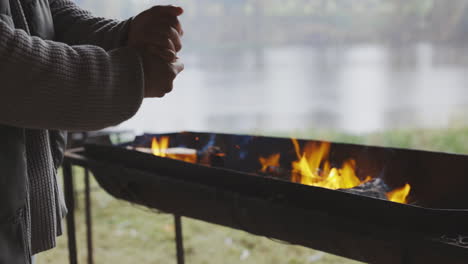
355 89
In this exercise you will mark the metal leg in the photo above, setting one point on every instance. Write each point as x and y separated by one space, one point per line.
89 224
70 201
179 239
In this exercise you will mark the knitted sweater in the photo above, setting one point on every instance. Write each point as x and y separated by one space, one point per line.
85 79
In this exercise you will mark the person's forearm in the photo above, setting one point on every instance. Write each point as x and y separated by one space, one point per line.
76 26
50 85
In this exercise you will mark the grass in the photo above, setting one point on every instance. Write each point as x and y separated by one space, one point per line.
125 233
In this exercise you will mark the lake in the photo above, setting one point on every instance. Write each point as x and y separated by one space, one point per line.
353 88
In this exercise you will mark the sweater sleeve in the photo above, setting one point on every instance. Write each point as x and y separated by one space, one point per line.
50 85
76 26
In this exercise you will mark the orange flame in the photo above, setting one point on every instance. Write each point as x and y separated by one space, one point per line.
272 160
313 168
399 195
161 148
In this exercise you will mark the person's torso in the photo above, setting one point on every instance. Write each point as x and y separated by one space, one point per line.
33 16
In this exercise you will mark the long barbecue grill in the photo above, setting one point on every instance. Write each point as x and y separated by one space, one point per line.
220 178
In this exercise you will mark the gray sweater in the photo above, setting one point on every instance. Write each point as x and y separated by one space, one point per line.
86 79
52 85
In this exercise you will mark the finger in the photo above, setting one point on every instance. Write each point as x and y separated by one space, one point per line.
175 38
177 67
168 10
171 21
158 39
166 54
161 34
171 46
171 34
161 43
175 23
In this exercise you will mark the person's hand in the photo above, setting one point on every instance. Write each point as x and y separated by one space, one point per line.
159 74
158 31
156 34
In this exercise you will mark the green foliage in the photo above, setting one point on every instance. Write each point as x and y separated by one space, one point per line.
453 139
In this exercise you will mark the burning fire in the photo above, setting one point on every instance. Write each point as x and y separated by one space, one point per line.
271 161
313 167
399 195
161 148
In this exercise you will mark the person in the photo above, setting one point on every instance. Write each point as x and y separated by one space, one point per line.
62 69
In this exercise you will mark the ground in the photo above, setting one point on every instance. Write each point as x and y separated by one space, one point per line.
125 233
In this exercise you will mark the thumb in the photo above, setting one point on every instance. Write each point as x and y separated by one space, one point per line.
167 10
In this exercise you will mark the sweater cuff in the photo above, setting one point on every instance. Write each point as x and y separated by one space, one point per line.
131 93
123 32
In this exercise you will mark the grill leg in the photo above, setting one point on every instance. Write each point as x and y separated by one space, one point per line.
89 224
179 239
70 201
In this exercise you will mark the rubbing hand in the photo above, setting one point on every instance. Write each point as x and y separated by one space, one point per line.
157 30
156 34
159 74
